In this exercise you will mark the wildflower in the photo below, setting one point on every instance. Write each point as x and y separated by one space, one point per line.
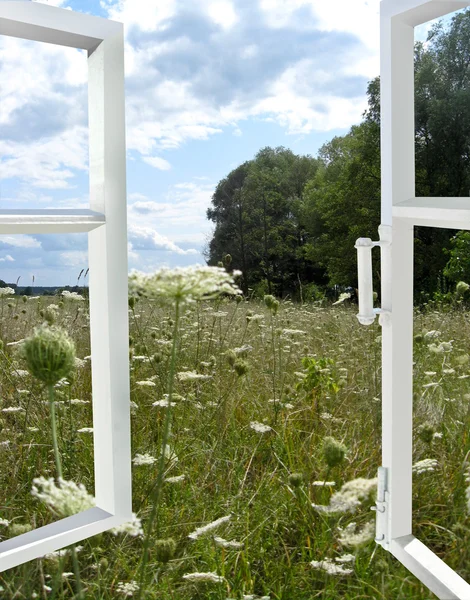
144 459
132 528
49 354
13 409
185 284
342 298
146 383
163 403
18 343
432 334
20 372
324 483
345 558
65 499
232 545
349 537
293 332
85 430
77 401
333 452
260 427
7 291
127 589
425 466
4 522
443 347
330 567
175 479
240 367
165 549
211 577
272 304
349 497
200 531
243 349
61 553
192 376
72 296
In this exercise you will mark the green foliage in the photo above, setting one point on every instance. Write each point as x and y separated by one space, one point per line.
319 376
333 452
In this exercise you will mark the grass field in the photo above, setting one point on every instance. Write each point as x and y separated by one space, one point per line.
247 446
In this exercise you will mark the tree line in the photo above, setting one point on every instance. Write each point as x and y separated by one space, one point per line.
289 222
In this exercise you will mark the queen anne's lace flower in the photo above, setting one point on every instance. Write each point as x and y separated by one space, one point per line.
132 528
349 497
330 567
143 459
184 284
65 499
7 291
425 465
127 589
200 531
192 376
260 427
72 296
349 537
211 577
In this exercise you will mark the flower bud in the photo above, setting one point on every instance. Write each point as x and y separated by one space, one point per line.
49 354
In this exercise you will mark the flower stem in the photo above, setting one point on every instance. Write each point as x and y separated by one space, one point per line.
58 462
161 466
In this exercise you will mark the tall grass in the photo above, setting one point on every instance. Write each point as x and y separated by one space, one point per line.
264 478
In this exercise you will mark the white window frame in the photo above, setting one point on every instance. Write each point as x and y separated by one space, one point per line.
106 224
401 212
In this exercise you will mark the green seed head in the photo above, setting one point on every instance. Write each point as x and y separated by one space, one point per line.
296 479
461 288
333 452
165 550
231 357
272 304
241 367
49 354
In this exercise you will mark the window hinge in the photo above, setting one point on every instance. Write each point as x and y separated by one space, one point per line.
381 508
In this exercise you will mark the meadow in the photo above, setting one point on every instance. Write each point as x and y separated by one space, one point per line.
273 448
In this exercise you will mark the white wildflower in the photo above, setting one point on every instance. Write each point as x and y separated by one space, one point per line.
132 528
431 385
349 497
243 349
430 335
4 523
72 296
342 298
330 567
127 589
7 291
175 479
61 553
20 372
163 403
443 347
185 284
13 409
260 427
192 376
324 483
232 545
430 373
425 465
293 332
18 343
143 459
211 577
64 500
349 537
200 531
146 383
345 558
77 401
85 430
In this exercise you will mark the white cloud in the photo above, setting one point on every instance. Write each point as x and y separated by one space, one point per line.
7 258
19 241
223 13
157 162
74 258
146 238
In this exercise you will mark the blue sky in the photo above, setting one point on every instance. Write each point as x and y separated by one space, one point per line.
208 83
